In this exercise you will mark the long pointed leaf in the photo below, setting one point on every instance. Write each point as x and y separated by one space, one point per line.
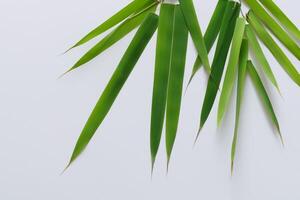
121 31
231 68
281 17
161 76
211 33
224 40
259 55
264 96
179 47
133 7
192 23
116 83
273 47
240 90
276 29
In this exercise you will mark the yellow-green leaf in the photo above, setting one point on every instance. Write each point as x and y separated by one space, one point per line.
231 68
242 69
273 47
276 29
281 17
231 14
259 55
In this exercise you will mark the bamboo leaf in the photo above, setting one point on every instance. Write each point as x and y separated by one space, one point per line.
161 76
282 18
224 40
273 47
264 96
231 68
259 55
179 48
276 29
116 83
133 7
211 33
240 90
121 31
188 10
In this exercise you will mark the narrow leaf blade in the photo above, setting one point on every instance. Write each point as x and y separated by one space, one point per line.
259 55
263 95
179 48
130 9
192 23
121 31
224 40
240 90
161 76
231 68
273 47
211 33
116 83
281 17
276 29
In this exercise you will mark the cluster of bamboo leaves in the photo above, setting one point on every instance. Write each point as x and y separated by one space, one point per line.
234 35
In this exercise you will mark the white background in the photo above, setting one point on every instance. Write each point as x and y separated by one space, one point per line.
41 117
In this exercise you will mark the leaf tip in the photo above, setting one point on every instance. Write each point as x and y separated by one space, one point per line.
219 118
152 164
232 168
168 164
62 75
281 138
198 134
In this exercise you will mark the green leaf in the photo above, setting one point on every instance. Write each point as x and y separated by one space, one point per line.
276 29
240 90
179 48
211 33
273 47
133 7
192 23
281 17
116 83
259 55
231 68
161 76
121 31
224 40
264 96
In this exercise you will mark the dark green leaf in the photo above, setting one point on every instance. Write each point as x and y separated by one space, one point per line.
179 47
116 83
224 40
126 27
264 96
133 7
161 75
211 33
192 23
